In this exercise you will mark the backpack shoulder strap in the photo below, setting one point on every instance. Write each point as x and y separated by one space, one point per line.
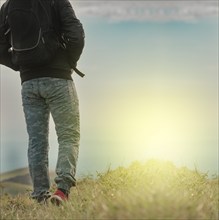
78 72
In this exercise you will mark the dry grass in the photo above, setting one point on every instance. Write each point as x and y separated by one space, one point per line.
154 190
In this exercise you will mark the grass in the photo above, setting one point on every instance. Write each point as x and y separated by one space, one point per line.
153 190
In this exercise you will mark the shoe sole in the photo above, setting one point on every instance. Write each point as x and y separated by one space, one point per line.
56 200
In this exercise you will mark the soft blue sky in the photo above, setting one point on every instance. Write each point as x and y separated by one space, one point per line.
150 89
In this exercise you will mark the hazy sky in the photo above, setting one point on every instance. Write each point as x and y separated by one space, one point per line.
150 90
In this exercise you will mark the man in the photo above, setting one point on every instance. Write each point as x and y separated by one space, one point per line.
46 89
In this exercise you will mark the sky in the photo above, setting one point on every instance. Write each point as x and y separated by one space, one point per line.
150 90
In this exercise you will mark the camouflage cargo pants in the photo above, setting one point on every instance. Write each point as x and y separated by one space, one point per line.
41 97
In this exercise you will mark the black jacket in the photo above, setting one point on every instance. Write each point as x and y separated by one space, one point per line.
5 56
63 63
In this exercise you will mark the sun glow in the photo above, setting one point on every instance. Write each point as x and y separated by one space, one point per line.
159 125
158 134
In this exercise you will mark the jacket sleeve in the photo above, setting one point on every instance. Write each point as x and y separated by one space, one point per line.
72 31
5 55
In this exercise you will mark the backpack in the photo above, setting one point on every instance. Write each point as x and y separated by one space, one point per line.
30 35
33 37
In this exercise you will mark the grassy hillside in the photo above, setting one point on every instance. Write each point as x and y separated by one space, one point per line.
17 181
13 188
14 173
154 190
14 182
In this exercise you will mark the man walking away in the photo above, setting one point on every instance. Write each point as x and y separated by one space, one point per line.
45 51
